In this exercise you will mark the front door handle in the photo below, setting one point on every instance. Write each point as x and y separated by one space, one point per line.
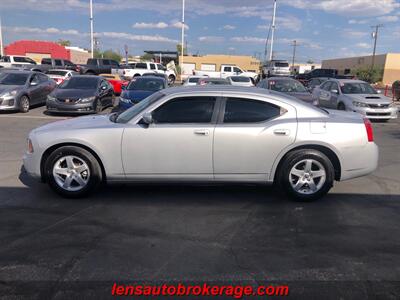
202 132
281 131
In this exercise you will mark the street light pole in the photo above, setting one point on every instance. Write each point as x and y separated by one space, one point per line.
91 28
294 54
272 32
1 40
182 36
375 36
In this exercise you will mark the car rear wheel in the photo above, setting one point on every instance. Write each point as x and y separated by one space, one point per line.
306 175
72 172
24 104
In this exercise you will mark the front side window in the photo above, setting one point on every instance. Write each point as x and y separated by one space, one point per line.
43 78
326 86
239 110
357 88
237 70
106 62
152 66
13 78
227 69
185 110
22 59
334 86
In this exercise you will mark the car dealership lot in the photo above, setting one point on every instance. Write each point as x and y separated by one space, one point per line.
347 244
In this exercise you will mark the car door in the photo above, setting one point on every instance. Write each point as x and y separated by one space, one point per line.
249 136
324 94
226 71
46 86
35 90
334 91
178 144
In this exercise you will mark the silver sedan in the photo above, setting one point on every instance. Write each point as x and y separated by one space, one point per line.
206 134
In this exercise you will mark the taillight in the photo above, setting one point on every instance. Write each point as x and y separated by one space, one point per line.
368 128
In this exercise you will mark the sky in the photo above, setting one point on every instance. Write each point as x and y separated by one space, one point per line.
323 28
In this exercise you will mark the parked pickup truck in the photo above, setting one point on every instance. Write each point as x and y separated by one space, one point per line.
96 66
327 73
226 71
55 63
138 69
9 61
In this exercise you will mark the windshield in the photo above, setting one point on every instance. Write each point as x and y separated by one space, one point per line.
59 73
281 64
357 88
146 84
240 79
13 79
287 86
130 113
80 83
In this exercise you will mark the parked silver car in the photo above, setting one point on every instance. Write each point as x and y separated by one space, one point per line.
206 134
357 96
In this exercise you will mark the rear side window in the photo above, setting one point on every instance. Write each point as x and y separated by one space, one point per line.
106 62
326 86
141 66
152 66
58 62
185 110
249 111
46 61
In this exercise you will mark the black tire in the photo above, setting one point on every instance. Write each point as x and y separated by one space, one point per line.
95 177
24 104
171 79
341 106
286 179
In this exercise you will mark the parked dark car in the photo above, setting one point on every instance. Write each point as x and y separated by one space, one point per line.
160 75
96 66
288 86
140 88
328 73
55 63
19 90
81 94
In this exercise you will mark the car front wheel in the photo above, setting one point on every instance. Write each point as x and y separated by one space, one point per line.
72 172
306 175
24 104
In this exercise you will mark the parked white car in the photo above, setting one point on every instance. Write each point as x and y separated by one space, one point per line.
240 81
192 80
226 71
276 68
9 61
145 67
59 75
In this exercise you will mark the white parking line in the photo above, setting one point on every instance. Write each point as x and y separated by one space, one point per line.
32 117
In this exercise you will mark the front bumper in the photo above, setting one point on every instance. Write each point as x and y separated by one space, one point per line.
8 103
83 108
377 113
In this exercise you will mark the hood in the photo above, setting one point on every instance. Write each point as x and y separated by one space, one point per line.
136 94
9 88
369 98
73 93
84 122
307 97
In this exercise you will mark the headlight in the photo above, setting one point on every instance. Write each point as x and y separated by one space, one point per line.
125 100
9 94
51 98
87 99
359 104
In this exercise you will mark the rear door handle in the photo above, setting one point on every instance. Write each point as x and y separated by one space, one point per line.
281 131
202 132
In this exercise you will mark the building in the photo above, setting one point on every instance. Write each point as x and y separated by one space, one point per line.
214 62
389 63
45 49
304 68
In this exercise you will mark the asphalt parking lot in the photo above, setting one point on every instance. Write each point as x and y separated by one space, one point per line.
345 246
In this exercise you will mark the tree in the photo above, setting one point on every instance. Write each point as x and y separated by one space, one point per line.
146 57
65 43
110 54
369 75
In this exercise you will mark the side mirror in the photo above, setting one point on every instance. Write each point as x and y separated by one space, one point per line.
147 118
335 91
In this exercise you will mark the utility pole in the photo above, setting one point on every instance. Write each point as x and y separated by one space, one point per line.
375 37
294 45
91 27
272 31
183 36
1 40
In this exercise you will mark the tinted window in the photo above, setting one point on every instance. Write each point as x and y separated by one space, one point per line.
237 70
249 111
326 86
46 61
92 61
84 83
68 63
24 60
334 86
113 63
185 110
56 72
34 79
57 62
286 86
106 62
43 78
227 69
357 88
146 84
141 66
13 78
240 79
152 66
281 64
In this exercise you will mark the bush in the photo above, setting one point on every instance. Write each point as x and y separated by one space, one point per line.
369 75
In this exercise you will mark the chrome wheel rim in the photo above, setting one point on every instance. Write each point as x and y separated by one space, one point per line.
25 103
71 173
307 176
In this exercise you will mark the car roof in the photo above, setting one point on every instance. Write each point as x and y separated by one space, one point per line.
150 77
58 70
280 78
348 80
20 71
88 76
